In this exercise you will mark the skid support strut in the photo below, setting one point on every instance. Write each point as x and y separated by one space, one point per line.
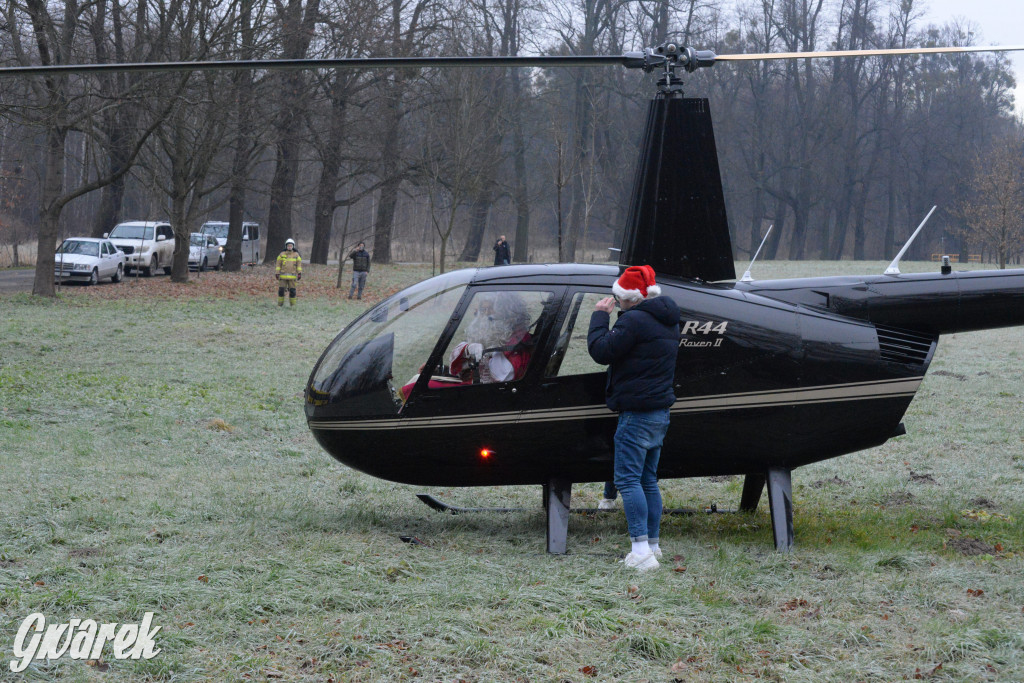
753 486
780 502
557 493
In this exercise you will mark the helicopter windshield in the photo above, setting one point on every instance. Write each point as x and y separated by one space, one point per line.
363 369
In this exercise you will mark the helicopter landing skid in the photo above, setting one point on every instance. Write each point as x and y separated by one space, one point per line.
556 506
441 506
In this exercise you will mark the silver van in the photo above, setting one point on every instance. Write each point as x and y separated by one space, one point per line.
250 238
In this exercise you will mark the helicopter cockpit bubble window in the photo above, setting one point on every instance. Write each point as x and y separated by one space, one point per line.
356 375
570 355
496 337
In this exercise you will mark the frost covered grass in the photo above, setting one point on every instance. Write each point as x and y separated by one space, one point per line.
154 457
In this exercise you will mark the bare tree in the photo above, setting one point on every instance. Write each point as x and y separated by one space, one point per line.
454 131
408 25
59 104
297 27
248 24
993 216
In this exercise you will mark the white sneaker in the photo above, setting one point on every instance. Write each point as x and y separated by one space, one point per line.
607 504
657 553
641 563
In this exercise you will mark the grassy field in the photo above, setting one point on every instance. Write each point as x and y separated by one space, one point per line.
154 457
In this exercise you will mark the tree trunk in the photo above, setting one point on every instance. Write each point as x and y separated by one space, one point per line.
756 220
834 249
520 192
797 238
182 231
389 165
859 236
236 216
239 172
111 197
327 188
771 247
479 211
323 216
243 85
282 186
49 215
298 27
385 220
583 125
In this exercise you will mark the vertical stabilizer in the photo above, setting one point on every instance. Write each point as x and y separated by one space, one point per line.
677 221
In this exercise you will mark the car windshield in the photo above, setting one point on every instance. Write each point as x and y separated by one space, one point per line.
79 247
197 240
132 232
216 229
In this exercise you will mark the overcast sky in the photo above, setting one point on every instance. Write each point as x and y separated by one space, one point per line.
1001 22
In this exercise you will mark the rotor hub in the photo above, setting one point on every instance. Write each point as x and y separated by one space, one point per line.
668 57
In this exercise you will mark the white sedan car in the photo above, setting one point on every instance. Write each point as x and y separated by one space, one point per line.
89 260
204 252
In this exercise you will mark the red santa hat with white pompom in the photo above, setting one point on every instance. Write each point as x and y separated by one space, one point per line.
636 284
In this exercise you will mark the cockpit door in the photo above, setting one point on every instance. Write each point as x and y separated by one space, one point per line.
568 405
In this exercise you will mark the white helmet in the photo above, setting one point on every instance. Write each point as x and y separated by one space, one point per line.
289 241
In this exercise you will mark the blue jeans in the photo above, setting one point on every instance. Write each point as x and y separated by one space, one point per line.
610 492
358 280
638 440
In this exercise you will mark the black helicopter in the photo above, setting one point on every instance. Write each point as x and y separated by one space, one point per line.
771 375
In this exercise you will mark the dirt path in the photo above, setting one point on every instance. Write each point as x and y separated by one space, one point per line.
16 280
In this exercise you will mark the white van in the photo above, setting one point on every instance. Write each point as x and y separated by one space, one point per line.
250 238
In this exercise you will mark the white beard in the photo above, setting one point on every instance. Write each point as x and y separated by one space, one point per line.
487 332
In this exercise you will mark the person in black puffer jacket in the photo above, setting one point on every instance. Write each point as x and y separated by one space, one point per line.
640 351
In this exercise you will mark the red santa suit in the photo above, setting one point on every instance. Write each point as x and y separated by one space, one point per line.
504 365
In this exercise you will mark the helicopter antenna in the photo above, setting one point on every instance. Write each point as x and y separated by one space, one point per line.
746 276
894 267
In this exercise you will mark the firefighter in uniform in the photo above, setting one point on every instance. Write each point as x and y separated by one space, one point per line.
289 271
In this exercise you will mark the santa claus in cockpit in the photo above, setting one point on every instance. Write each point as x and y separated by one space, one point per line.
497 345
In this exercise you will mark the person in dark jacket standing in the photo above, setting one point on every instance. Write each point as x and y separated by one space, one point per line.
640 351
502 253
360 269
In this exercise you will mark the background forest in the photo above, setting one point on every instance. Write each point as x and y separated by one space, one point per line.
844 157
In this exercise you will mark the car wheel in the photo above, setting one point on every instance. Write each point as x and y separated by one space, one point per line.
94 278
168 269
220 263
150 271
119 275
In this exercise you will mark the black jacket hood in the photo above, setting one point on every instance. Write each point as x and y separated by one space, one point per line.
663 309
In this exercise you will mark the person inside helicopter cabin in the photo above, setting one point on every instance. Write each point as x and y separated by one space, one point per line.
502 252
288 272
496 345
640 352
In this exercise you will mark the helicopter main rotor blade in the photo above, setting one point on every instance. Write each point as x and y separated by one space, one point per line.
326 63
758 56
646 60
